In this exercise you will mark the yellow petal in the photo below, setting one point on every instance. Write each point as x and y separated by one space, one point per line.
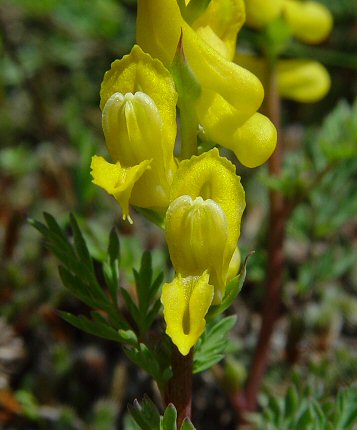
159 26
186 302
261 12
116 180
254 64
303 80
309 21
196 233
132 128
255 141
300 80
138 71
211 176
220 24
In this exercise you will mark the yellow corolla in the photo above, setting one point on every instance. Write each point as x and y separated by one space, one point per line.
299 80
138 102
303 80
202 224
219 25
260 12
186 301
202 229
309 21
230 95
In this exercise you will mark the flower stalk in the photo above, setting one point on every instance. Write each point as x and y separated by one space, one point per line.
247 401
179 388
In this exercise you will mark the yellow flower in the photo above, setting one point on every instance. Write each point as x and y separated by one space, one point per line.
309 21
138 101
203 220
261 12
186 301
299 80
197 231
230 95
303 80
219 25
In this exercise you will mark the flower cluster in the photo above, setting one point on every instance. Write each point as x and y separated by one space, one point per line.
310 22
201 196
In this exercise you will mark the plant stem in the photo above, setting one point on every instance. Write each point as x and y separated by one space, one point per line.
179 389
275 266
247 401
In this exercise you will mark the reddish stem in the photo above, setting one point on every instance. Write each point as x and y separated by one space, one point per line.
247 401
179 389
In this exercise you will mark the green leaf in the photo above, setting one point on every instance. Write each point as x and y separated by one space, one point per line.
77 266
345 416
211 347
169 419
187 425
143 281
95 328
145 414
155 286
152 314
111 266
291 402
113 246
129 336
80 244
187 85
149 306
76 287
145 358
132 308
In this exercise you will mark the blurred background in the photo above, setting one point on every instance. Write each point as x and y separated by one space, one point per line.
53 57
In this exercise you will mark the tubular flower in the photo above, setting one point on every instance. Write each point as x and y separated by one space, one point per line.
309 21
186 301
138 102
260 12
299 80
219 25
303 80
203 220
202 227
230 95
